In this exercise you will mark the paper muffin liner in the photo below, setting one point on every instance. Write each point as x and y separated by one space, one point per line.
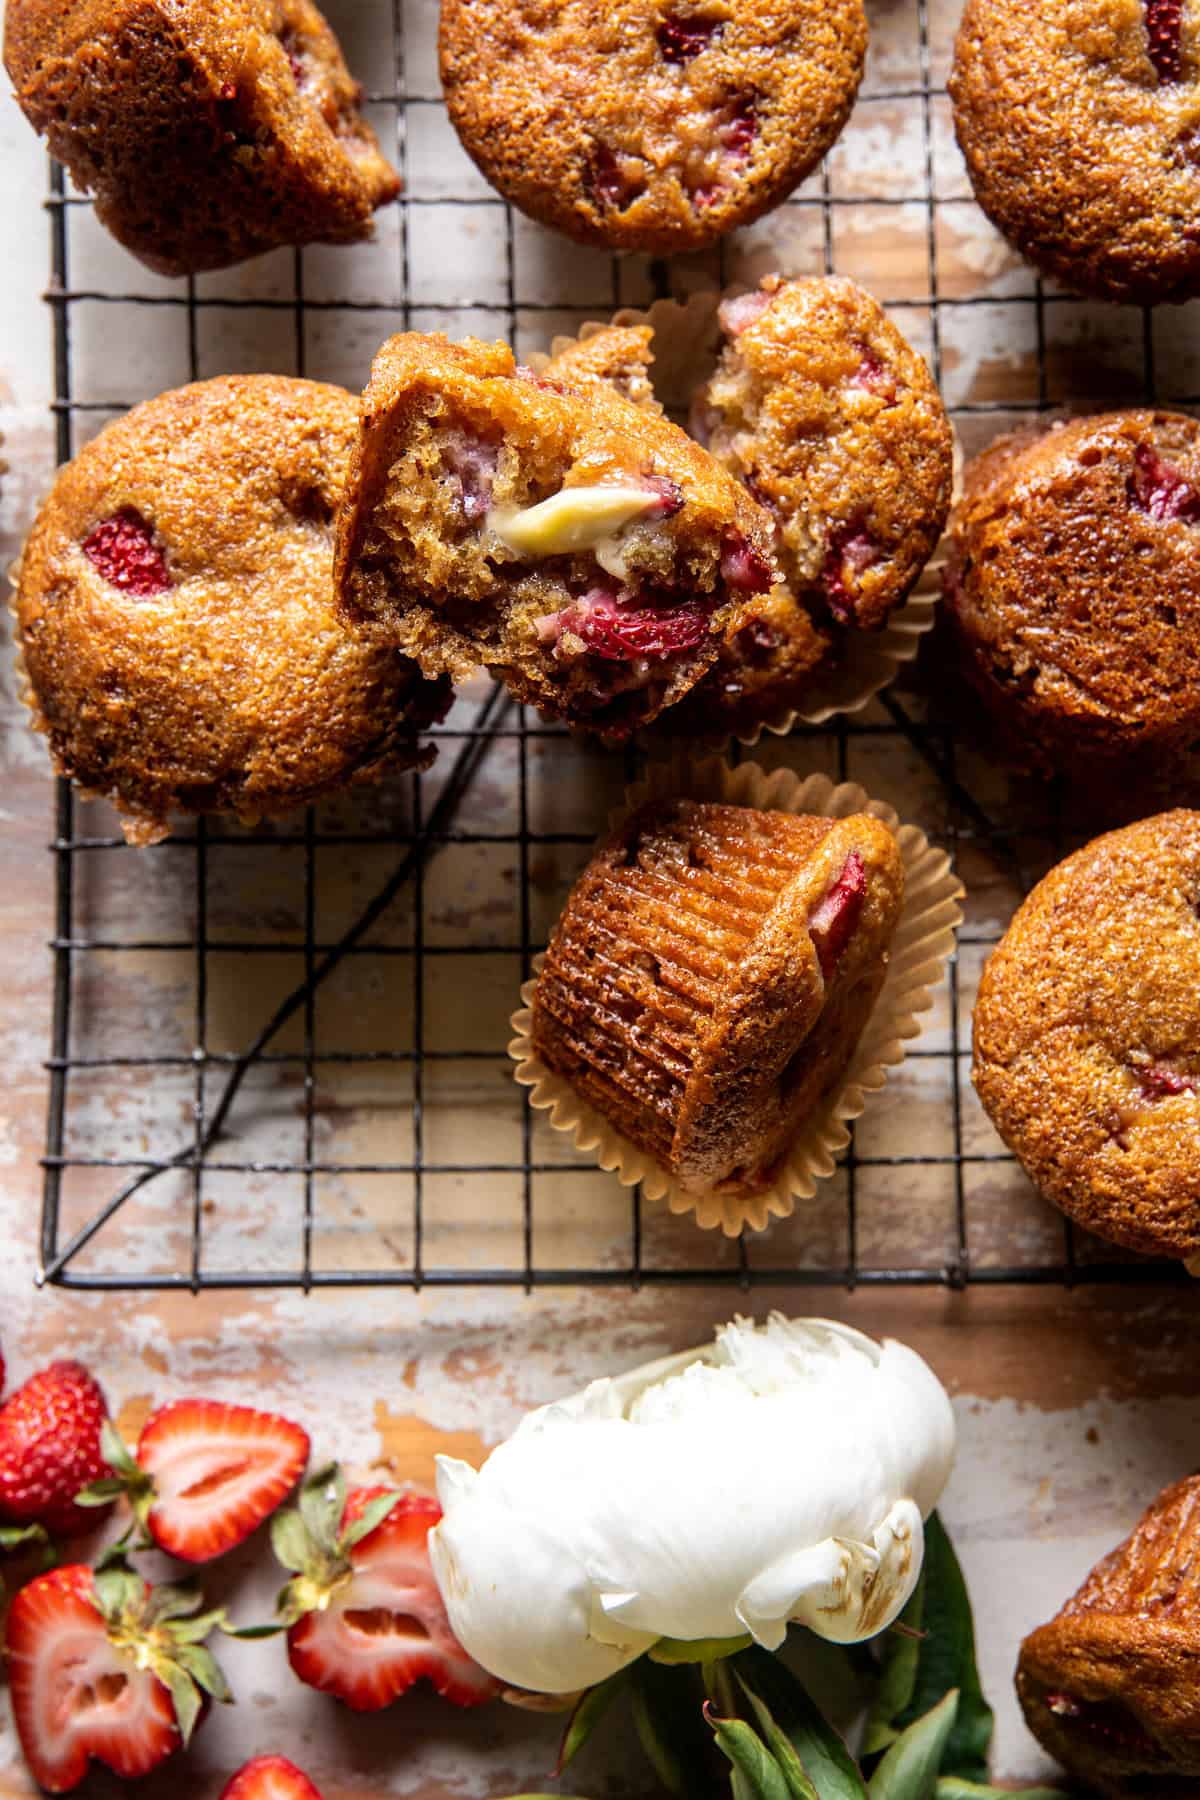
922 946
687 340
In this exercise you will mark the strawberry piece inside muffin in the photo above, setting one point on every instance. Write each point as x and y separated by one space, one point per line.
578 544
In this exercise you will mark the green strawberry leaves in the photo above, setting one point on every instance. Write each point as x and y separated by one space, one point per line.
128 1481
163 1629
308 1539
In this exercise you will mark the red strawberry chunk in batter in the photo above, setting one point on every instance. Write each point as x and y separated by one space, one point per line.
1158 488
615 629
1159 1081
681 39
124 551
1164 30
851 551
833 921
742 566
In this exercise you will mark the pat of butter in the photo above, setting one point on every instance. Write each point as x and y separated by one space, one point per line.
577 518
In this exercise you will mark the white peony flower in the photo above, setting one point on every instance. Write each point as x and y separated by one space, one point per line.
781 1473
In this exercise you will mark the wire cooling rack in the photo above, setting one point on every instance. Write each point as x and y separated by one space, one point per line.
278 1055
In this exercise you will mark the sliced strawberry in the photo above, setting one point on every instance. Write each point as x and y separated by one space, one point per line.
833 919
742 566
1164 33
620 631
365 1615
1158 1081
681 39
50 1436
97 1671
270 1778
216 1472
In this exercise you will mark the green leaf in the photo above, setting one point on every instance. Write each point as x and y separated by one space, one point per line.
897 1676
800 1787
825 1758
205 1671
118 1590
250 1634
21 1537
761 1776
322 1502
293 1542
946 1659
952 1787
373 1514
586 1714
185 1698
168 1603
118 1456
668 1712
909 1771
699 1650
102 1492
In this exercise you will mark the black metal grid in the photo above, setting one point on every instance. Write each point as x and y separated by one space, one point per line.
218 1077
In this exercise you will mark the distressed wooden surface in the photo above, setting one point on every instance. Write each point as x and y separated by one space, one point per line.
1073 1408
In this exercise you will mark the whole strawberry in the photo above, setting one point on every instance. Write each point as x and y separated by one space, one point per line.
102 1666
364 1614
50 1433
205 1476
270 1778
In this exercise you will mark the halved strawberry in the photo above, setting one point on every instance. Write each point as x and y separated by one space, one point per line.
206 1474
270 1778
103 1666
364 1614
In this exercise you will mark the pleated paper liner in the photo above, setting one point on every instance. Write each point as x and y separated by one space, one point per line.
920 950
687 340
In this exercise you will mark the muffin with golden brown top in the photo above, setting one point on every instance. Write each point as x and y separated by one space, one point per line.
208 130
582 547
1087 1036
710 976
1080 125
653 125
176 615
620 356
1073 592
1111 1686
828 416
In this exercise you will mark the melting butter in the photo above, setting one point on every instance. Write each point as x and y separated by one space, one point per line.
576 518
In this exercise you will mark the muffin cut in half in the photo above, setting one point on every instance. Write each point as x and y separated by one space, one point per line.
580 546
1087 1036
176 615
1111 1685
1072 593
208 130
710 977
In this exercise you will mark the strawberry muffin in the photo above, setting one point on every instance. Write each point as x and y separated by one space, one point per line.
1080 126
620 356
711 975
1111 1686
582 547
208 130
176 615
654 125
1072 594
1087 1036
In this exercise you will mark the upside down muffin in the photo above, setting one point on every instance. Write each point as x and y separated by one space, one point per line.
711 975
653 125
176 613
1080 125
1087 1036
1111 1685
208 130
1072 592
580 546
